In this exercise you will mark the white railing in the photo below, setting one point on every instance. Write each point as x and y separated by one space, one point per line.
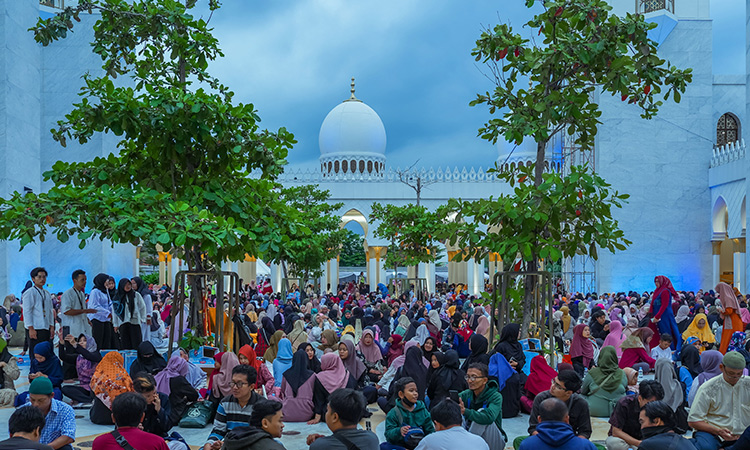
439 175
732 151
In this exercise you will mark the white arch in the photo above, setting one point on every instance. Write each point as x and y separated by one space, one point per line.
743 214
355 215
720 216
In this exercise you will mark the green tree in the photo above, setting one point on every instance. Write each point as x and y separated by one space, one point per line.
352 250
547 88
412 231
195 173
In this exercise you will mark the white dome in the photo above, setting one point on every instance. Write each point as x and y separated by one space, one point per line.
509 152
352 129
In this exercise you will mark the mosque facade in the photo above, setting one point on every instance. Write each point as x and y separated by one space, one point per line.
685 170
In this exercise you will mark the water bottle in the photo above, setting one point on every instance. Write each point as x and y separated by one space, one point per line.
640 375
585 371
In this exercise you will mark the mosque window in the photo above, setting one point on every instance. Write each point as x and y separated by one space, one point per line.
369 166
330 166
727 130
336 167
353 165
647 6
361 167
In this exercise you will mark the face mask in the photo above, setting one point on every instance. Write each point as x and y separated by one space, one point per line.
407 402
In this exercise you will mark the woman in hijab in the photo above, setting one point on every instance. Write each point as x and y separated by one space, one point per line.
682 318
371 354
414 368
605 384
510 348
709 361
313 363
196 376
478 345
429 348
474 319
447 377
581 349
148 360
8 374
729 313
615 337
84 354
264 378
297 390
435 325
298 335
395 348
665 375
173 382
632 375
352 363
661 310
110 379
630 327
634 352
700 330
566 321
329 342
273 346
129 312
220 383
46 364
333 375
282 361
690 356
539 380
403 325
265 331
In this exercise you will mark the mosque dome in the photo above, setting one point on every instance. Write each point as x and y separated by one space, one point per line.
511 155
352 140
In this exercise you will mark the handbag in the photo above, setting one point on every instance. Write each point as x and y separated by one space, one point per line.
413 436
198 415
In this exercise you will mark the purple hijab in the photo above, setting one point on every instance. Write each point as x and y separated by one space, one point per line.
175 367
710 360
84 367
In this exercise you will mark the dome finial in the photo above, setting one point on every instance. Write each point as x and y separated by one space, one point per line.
352 98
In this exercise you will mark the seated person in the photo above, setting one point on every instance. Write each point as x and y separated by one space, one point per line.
715 415
346 408
173 381
604 384
25 428
84 354
554 430
238 405
196 376
59 430
539 379
657 422
266 425
663 350
625 429
128 410
157 419
332 376
449 431
110 379
265 378
634 350
9 372
445 378
481 406
563 388
297 389
44 364
408 415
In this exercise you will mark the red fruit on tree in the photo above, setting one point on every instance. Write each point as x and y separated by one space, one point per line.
522 179
540 31
578 212
647 89
559 12
502 53
580 194
624 97
517 51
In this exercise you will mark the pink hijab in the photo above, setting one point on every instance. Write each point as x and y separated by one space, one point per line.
728 300
615 337
223 379
581 346
371 352
333 375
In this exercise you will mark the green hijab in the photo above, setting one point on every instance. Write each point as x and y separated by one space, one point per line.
607 374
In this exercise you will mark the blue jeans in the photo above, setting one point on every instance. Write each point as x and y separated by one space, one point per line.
705 441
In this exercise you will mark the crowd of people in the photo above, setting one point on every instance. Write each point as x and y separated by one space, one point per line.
424 360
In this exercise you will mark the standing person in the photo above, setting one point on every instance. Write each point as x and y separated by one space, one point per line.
346 408
661 310
130 311
73 306
730 313
128 410
59 430
25 428
101 320
38 311
148 300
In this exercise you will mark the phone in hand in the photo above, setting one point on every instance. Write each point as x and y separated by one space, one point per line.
65 331
453 395
512 359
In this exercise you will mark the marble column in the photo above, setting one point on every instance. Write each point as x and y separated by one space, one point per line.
739 263
430 275
380 260
471 280
716 256
162 268
247 269
137 262
276 276
172 269
372 267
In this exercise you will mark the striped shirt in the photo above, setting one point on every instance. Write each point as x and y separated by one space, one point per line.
231 415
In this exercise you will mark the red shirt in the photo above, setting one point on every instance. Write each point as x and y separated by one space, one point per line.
139 439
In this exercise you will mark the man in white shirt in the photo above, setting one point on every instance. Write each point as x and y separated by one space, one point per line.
73 307
449 432
38 314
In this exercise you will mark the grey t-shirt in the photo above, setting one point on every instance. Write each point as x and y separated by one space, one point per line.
363 439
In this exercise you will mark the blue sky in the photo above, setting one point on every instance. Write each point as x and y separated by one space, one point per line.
411 61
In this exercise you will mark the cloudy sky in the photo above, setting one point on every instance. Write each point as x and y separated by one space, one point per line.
411 60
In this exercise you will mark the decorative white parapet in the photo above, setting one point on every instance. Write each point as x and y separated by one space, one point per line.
732 151
439 175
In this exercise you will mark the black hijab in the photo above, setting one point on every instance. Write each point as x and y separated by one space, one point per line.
149 360
314 363
299 373
267 324
691 357
99 281
440 356
479 346
509 346
414 367
448 374
141 287
112 292
435 349
125 297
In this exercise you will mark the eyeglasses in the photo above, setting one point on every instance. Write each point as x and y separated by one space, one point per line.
472 378
238 384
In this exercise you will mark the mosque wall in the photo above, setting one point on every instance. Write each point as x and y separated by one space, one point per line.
729 97
663 164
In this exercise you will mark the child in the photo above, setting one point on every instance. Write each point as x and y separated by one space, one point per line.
409 420
663 350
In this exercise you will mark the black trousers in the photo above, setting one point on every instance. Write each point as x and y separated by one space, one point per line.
77 394
41 336
130 336
103 334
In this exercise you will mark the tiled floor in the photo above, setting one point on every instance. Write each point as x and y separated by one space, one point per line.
294 436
